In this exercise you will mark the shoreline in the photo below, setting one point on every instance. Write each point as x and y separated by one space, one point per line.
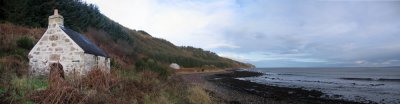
220 94
224 87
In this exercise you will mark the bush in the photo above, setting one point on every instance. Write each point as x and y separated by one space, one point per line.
114 64
99 80
25 43
154 66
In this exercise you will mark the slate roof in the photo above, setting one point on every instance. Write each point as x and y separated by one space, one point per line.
84 43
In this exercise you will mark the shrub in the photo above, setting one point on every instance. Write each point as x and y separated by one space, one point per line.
154 66
98 80
114 64
25 43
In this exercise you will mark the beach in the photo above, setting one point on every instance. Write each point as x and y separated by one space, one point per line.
221 94
227 87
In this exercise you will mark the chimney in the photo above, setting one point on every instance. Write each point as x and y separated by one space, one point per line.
56 20
55 12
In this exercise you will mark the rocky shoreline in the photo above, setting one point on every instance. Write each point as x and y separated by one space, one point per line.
270 93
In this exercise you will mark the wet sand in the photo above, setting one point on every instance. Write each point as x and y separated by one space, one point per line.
224 87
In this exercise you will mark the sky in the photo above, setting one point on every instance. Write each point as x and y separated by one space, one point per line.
272 33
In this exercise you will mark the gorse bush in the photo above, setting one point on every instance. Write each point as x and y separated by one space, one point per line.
114 64
152 65
25 43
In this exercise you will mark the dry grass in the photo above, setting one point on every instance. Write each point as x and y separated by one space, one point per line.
9 33
99 80
59 91
14 64
62 91
61 95
103 87
198 95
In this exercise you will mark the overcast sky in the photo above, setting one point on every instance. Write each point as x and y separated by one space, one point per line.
272 33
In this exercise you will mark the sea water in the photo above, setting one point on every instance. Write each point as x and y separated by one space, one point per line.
361 84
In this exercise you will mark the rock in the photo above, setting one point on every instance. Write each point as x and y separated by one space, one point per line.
174 66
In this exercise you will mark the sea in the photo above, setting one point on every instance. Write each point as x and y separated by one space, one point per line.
360 84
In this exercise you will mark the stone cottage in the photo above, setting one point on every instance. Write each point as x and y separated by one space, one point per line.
67 49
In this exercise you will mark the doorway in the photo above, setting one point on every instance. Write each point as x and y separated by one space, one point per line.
56 70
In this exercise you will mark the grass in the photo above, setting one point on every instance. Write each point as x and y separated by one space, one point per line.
129 74
198 95
20 87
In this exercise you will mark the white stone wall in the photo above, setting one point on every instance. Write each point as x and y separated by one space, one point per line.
89 62
55 47
92 61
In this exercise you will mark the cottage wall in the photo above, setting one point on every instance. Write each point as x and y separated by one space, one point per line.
55 47
92 61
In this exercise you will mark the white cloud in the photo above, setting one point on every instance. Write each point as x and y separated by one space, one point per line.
182 22
360 62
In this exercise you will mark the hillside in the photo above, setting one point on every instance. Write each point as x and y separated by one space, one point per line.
128 48
139 62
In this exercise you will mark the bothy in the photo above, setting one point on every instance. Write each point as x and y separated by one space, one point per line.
62 46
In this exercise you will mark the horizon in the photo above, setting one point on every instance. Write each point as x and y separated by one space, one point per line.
355 33
335 67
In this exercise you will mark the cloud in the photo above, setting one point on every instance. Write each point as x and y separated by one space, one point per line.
194 23
272 32
360 62
338 32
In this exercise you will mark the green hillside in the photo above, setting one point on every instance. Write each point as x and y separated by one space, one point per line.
127 47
